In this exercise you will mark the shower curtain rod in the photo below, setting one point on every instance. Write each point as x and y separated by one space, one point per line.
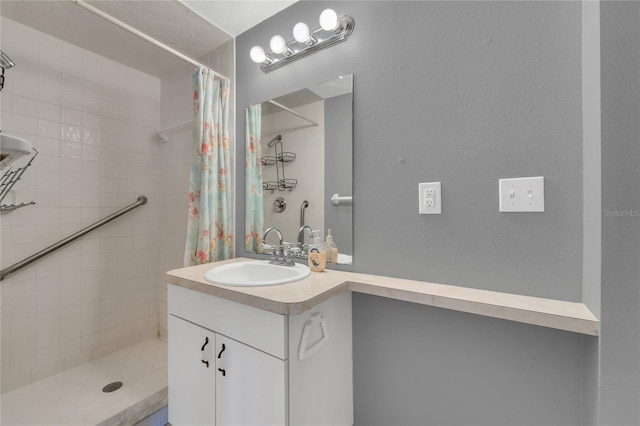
142 35
289 110
160 133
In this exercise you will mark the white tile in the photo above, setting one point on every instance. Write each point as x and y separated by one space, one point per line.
71 149
72 83
91 67
71 99
104 350
6 102
49 181
25 106
50 93
72 60
92 105
70 199
49 129
6 118
71 348
90 136
91 185
25 124
49 163
49 112
72 117
47 370
47 337
91 152
50 77
49 146
71 133
91 89
71 165
47 354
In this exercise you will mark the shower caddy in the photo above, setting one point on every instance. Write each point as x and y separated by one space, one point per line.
9 178
279 161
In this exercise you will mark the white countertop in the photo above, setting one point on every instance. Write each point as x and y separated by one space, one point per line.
300 296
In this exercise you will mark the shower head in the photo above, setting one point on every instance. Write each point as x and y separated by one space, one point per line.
5 61
278 138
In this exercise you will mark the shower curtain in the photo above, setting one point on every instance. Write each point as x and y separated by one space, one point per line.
254 218
209 227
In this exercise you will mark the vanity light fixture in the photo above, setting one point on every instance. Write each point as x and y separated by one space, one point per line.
333 30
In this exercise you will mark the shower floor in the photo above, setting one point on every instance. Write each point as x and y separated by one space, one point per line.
75 397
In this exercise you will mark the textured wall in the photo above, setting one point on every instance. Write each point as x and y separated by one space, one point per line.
620 342
338 157
467 93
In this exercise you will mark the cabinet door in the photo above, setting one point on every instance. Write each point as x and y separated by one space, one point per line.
250 386
191 383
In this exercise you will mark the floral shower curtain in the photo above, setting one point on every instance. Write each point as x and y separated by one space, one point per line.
254 218
209 227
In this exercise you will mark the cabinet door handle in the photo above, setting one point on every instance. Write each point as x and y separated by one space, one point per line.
222 370
206 342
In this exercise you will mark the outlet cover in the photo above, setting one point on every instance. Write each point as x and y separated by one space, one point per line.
430 198
522 194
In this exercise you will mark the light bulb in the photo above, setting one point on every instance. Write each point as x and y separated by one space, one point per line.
301 32
257 54
329 20
277 44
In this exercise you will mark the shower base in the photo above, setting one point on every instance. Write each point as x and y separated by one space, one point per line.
75 397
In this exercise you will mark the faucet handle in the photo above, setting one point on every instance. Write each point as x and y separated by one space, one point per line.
295 251
268 248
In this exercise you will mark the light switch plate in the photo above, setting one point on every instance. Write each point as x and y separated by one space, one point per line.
522 194
430 198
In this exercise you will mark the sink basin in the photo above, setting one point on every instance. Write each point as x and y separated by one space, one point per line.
256 273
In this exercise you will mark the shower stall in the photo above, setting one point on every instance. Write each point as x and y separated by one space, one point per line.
93 115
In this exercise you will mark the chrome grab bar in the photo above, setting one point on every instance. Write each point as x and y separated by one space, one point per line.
303 206
142 200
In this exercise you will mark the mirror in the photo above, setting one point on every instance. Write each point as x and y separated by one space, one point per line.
299 163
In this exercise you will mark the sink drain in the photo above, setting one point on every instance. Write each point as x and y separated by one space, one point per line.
112 387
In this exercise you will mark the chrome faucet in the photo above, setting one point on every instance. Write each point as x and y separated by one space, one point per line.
301 244
278 257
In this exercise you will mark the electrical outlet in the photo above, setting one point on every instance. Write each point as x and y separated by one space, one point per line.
430 198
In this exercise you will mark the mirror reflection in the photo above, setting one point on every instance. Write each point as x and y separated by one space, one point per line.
299 156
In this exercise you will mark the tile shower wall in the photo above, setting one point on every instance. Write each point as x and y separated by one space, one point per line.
92 121
177 107
307 142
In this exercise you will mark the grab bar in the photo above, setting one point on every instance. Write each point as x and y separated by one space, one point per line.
142 200
303 206
337 199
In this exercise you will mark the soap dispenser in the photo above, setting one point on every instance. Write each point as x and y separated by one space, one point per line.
317 253
330 248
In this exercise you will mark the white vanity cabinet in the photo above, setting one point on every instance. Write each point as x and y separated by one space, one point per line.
233 364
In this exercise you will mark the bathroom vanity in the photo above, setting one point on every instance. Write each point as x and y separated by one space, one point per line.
234 364
282 355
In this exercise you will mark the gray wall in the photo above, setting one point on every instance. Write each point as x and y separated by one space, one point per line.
338 177
416 365
620 342
467 93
